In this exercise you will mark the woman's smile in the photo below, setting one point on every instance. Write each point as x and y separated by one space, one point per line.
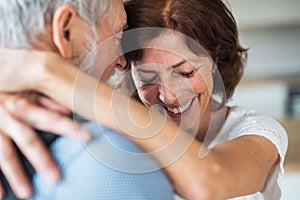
177 112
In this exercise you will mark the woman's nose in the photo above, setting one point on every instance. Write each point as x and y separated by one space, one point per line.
167 96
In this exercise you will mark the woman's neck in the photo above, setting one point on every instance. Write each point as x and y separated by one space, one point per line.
211 122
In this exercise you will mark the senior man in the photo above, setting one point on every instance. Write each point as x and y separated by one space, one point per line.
70 28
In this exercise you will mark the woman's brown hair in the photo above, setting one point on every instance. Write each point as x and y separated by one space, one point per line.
209 22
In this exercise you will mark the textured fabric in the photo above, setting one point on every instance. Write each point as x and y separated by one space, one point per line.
87 175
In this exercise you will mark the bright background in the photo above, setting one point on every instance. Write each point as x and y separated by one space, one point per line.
271 85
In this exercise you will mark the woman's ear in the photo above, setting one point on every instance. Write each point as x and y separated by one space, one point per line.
63 26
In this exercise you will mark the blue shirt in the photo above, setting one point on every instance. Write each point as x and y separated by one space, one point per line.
109 167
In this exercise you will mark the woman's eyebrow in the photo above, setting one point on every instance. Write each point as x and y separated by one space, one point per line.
178 64
196 63
168 69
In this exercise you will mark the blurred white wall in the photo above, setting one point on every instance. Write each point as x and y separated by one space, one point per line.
253 14
267 98
273 52
271 29
290 186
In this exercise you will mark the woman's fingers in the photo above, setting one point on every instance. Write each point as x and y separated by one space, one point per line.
52 105
19 117
33 148
44 119
30 145
12 169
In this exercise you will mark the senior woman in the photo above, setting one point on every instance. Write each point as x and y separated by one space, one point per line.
246 155
177 68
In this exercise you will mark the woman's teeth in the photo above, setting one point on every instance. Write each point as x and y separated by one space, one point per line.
180 109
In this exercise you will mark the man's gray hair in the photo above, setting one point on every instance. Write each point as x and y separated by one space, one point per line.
21 21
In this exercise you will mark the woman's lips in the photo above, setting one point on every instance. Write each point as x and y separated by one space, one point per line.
176 112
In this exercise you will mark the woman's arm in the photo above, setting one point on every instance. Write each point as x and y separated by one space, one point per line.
231 169
244 165
234 168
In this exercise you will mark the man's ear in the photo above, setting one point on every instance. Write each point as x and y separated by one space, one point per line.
62 26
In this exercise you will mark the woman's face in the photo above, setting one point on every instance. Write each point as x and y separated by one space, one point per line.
180 82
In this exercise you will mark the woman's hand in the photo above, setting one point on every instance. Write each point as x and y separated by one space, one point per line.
22 69
20 115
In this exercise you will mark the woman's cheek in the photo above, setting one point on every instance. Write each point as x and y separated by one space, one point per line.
198 84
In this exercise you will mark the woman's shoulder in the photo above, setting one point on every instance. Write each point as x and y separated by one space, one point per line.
242 121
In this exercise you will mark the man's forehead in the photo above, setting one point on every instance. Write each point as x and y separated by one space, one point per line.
115 19
119 17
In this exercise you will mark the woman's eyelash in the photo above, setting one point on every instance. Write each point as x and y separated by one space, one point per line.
187 74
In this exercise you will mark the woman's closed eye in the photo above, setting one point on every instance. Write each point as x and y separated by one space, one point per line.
187 74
